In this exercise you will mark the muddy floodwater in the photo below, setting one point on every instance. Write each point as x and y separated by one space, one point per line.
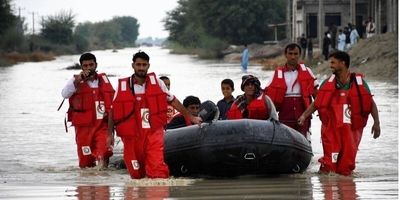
38 158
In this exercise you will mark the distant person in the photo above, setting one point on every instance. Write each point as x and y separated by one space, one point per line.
253 104
245 58
333 33
90 95
192 104
170 109
354 36
370 27
292 89
344 103
341 40
303 45
139 116
309 49
227 87
346 32
325 45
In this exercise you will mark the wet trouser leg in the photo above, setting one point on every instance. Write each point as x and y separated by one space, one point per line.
347 158
132 161
154 152
331 147
84 146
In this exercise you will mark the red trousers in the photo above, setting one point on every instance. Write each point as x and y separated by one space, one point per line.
340 145
92 144
144 154
290 111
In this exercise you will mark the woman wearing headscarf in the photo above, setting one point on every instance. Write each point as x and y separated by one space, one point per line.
253 104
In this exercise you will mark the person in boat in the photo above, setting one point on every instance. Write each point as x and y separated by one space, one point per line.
344 103
90 95
227 87
292 89
170 110
192 104
139 115
253 104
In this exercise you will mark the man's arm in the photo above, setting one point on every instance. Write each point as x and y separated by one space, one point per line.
70 88
179 107
311 109
110 138
376 129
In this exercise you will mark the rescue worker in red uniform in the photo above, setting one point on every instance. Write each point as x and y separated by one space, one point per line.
90 95
139 115
191 103
253 104
292 89
344 103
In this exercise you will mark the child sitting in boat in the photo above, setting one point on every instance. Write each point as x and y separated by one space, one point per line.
191 103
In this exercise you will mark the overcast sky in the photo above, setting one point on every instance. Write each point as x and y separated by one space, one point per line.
149 13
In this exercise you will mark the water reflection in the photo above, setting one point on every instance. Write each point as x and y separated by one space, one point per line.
93 192
158 192
332 187
127 193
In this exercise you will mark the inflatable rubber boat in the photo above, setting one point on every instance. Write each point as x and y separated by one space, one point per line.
227 148
236 147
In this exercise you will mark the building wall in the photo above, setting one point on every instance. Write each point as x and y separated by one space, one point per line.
307 9
305 17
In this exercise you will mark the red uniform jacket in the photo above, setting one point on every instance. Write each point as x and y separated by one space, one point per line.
87 104
358 100
127 113
277 89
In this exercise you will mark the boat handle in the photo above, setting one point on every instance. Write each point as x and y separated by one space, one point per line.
249 156
183 169
297 169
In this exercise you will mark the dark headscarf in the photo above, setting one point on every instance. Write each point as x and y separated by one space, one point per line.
241 100
246 79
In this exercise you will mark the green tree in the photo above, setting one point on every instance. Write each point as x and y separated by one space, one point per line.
129 29
106 34
237 22
115 33
82 35
13 38
7 18
58 28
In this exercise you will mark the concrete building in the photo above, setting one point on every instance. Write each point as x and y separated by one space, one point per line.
314 17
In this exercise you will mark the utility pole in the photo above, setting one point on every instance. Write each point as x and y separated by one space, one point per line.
20 25
294 21
288 20
321 20
33 22
353 12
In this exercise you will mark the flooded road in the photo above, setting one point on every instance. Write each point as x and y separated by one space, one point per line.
38 159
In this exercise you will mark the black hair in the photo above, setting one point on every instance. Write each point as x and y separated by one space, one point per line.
87 56
142 55
164 78
342 56
228 82
190 100
292 46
